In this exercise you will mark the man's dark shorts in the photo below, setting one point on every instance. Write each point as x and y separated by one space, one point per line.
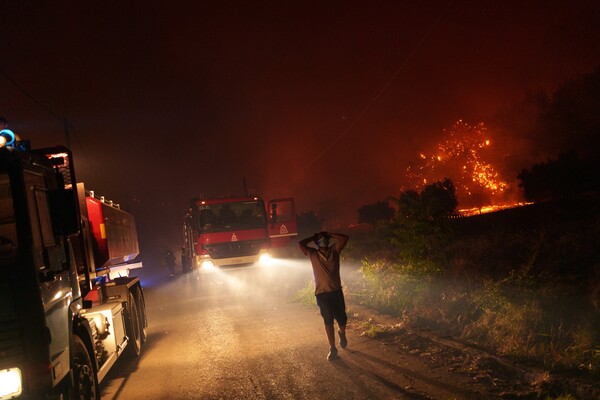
332 306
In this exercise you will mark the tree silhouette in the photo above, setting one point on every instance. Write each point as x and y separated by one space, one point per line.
561 178
435 200
374 212
571 121
439 199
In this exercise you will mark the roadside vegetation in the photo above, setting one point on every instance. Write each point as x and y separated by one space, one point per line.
522 283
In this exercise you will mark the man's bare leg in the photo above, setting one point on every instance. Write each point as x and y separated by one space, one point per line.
329 330
342 333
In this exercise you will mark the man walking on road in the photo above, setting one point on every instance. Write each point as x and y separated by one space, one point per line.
325 262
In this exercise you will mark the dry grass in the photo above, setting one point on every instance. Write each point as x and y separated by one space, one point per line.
518 294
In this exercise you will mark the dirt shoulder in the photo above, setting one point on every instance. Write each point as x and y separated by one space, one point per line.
484 373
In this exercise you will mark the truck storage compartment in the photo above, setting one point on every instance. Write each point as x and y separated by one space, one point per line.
114 235
110 338
109 322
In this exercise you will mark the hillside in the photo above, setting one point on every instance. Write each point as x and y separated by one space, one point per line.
522 283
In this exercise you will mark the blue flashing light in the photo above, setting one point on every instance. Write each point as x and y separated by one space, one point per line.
9 136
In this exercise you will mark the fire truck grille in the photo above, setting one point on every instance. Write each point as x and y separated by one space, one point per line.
235 249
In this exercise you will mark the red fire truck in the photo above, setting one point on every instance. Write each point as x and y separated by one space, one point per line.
236 230
68 310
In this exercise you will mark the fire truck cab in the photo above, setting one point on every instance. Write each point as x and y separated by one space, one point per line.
236 230
63 321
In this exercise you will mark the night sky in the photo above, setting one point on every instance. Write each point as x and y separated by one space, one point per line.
327 101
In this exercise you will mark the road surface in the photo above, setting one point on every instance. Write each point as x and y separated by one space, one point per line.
239 334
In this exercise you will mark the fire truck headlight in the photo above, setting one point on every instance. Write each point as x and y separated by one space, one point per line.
10 383
207 264
265 258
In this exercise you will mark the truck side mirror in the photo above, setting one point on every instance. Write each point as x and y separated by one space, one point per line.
63 211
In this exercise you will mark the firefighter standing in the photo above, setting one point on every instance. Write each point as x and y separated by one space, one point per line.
185 268
325 262
169 261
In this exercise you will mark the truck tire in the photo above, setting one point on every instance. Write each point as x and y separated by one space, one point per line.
134 347
85 385
142 312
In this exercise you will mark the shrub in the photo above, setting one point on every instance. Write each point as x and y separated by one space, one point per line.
526 291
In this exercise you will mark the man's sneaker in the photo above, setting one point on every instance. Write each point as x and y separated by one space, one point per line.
343 340
332 354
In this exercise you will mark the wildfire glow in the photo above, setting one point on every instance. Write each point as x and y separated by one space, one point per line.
467 212
461 156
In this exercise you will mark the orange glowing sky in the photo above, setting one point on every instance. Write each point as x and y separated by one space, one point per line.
329 102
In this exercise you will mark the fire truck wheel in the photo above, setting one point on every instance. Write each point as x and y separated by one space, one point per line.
142 308
134 347
85 386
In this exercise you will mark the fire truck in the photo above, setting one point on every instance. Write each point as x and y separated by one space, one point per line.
68 309
236 231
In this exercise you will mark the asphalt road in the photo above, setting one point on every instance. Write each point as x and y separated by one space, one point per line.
239 334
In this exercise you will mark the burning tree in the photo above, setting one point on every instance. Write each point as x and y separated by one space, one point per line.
464 156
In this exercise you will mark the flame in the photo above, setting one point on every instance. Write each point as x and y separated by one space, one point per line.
461 156
467 212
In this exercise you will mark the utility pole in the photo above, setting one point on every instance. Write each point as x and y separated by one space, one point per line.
67 138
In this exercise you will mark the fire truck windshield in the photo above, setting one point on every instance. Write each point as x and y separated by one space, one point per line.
222 217
8 228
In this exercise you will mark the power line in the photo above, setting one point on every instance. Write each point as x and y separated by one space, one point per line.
26 93
64 121
384 88
66 124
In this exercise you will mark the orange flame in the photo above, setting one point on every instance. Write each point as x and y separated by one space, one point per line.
467 212
461 157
